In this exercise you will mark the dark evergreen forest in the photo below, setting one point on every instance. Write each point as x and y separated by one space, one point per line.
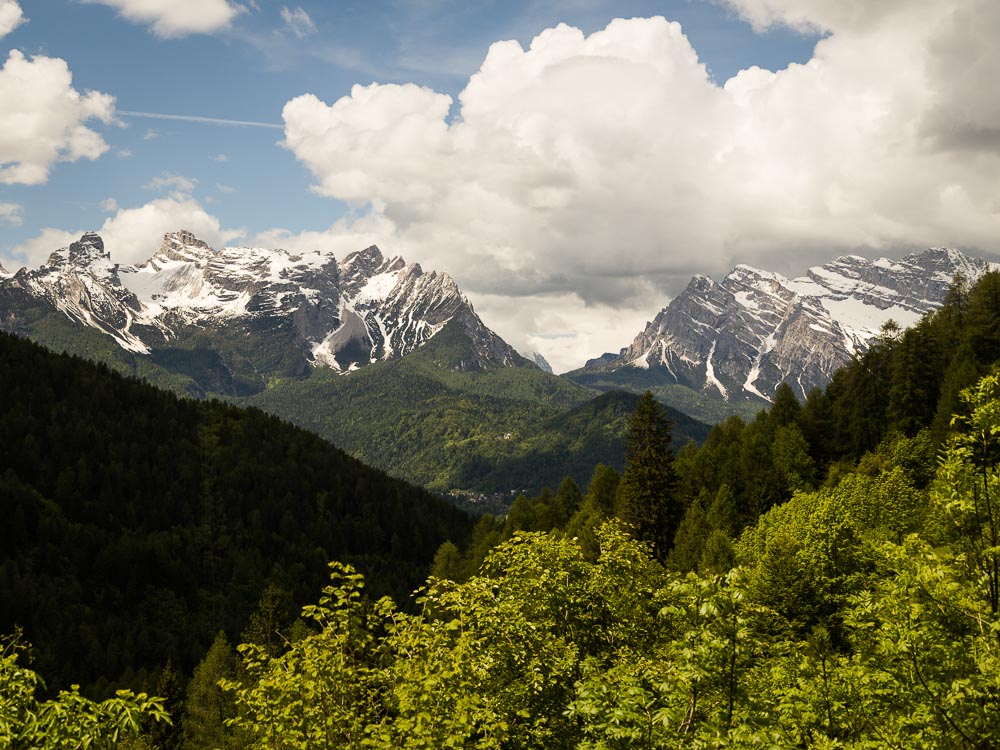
137 524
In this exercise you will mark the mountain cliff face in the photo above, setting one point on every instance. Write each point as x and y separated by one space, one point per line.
737 339
234 318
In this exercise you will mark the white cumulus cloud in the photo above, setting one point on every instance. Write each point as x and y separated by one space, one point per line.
133 234
42 118
34 251
173 18
824 15
11 16
587 174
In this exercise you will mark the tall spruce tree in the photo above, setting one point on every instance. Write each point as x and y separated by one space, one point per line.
647 496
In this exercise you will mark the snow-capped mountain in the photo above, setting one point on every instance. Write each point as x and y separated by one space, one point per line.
263 309
390 307
82 282
739 338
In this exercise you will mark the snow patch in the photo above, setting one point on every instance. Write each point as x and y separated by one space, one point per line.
710 372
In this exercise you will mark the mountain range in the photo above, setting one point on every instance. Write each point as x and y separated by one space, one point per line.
231 320
393 364
736 340
388 361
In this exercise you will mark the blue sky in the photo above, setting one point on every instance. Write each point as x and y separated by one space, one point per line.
571 180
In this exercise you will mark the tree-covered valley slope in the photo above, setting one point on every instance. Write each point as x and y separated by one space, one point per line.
138 524
424 418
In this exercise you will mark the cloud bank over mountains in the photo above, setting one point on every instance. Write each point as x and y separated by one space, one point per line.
574 184
608 167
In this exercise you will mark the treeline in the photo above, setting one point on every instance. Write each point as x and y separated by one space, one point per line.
137 525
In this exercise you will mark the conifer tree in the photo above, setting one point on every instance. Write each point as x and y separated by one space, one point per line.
208 707
690 539
567 501
448 562
785 408
647 494
270 623
603 487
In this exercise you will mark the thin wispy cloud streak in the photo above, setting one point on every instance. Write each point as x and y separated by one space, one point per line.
198 118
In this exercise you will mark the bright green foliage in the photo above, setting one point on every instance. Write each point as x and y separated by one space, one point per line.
689 690
927 661
971 483
831 636
492 662
804 558
325 690
69 721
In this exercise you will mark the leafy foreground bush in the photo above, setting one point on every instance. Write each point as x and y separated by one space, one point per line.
546 650
69 721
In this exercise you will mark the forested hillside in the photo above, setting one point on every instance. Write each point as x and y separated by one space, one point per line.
425 418
138 524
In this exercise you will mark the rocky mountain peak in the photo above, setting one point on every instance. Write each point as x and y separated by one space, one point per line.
738 339
360 268
184 245
88 246
297 309
700 283
534 356
82 282
362 262
184 238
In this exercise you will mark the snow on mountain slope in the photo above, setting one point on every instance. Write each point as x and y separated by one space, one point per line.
188 283
741 337
339 315
82 282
